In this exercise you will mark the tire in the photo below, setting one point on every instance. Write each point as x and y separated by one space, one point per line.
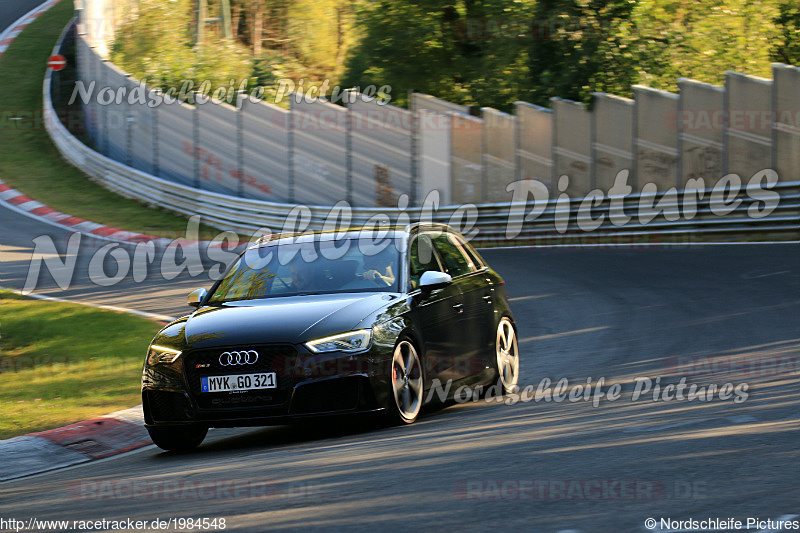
506 360
177 439
406 383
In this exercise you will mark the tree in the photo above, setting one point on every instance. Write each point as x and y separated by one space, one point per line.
155 43
787 48
455 49
609 45
583 46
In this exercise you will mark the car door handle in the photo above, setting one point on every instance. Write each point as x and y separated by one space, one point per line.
458 307
488 298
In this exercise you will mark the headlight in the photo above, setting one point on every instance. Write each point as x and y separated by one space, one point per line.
352 341
159 354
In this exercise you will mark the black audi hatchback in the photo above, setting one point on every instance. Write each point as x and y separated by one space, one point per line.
331 324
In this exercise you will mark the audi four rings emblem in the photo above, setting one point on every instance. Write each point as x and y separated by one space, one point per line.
238 358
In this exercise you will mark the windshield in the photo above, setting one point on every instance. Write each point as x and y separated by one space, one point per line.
344 265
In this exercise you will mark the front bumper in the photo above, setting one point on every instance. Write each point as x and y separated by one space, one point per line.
309 385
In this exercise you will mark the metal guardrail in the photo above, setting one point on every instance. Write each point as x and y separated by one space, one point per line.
491 220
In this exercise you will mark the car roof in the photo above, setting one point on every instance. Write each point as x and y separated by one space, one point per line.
392 232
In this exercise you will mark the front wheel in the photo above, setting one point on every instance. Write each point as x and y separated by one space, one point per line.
178 439
506 356
407 383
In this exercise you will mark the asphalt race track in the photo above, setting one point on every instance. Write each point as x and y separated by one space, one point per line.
711 314
11 10
153 294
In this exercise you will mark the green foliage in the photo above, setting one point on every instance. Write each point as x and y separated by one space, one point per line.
650 42
155 42
572 48
702 40
473 52
787 48
589 46
443 48
320 32
63 362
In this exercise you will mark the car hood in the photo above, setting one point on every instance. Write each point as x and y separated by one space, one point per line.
291 319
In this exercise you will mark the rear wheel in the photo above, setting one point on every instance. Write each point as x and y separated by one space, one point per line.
506 356
178 439
407 383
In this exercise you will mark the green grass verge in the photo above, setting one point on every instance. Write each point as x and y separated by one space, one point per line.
30 162
62 363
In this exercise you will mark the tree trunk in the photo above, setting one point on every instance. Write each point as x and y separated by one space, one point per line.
257 27
235 13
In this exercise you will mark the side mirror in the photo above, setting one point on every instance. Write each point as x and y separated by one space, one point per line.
433 279
196 296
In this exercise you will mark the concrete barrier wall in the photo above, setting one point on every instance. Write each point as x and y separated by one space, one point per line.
572 152
381 148
748 137
217 153
114 114
499 157
466 140
434 154
612 134
87 66
141 122
431 103
701 125
534 143
656 134
786 147
321 173
370 154
176 143
265 151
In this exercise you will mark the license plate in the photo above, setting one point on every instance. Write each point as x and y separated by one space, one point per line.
238 382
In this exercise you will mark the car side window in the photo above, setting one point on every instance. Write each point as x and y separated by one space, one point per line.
456 261
471 252
422 258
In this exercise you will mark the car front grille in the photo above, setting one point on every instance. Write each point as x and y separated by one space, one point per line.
278 358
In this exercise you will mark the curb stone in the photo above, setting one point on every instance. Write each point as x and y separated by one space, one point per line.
73 444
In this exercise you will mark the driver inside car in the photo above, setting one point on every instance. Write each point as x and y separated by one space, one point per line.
379 269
